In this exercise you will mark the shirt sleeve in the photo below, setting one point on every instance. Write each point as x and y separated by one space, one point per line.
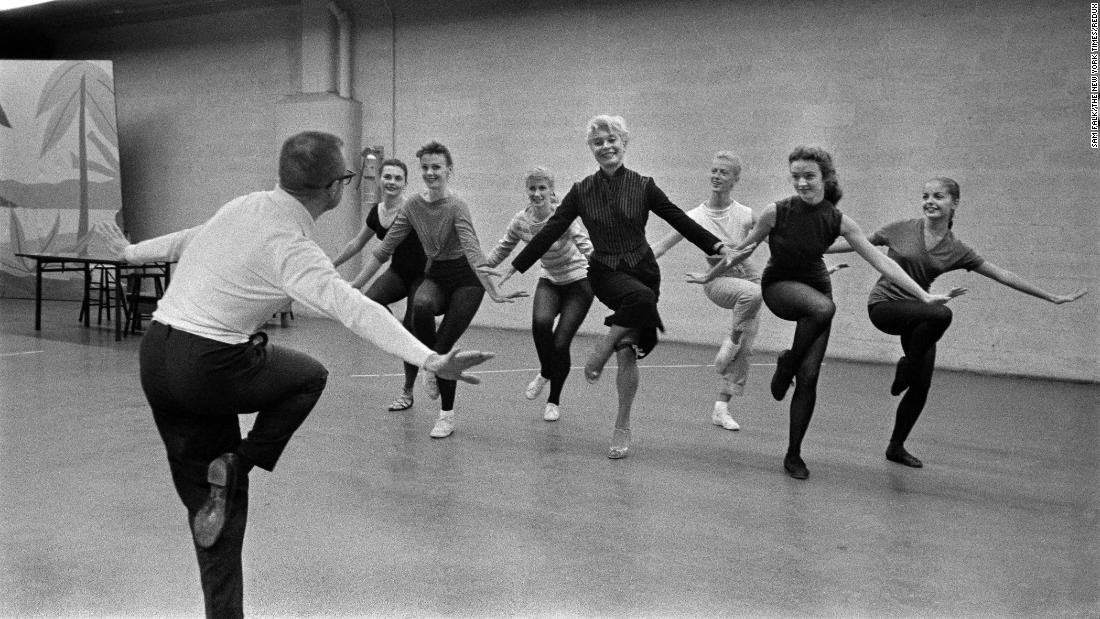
556 226
580 238
309 278
166 248
467 235
659 204
879 238
398 231
507 244
967 258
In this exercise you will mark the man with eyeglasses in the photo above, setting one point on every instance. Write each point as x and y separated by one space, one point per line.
204 360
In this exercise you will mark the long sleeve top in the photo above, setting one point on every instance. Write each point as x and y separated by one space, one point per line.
615 210
445 227
565 262
255 254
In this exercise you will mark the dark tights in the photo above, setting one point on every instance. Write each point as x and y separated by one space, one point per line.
812 311
570 302
457 306
391 288
920 326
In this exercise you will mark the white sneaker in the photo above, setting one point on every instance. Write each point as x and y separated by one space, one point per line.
444 426
552 412
534 388
431 386
721 417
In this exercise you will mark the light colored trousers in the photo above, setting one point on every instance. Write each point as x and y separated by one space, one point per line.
743 297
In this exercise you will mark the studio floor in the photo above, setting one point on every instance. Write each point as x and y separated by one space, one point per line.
513 516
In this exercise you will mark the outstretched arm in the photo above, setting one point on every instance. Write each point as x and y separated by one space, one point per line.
354 246
739 252
850 231
491 289
370 267
667 243
167 247
1010 279
505 245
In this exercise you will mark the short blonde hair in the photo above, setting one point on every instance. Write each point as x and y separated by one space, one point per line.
610 124
732 159
540 173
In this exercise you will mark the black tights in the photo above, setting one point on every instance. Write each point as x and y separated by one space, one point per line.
457 306
570 302
812 310
391 288
920 326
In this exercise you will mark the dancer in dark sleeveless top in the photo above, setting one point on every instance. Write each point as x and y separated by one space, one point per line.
406 269
796 284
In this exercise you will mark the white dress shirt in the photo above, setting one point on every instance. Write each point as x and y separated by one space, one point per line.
247 261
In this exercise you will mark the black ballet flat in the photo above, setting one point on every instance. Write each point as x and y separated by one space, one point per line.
901 377
795 467
901 456
781 379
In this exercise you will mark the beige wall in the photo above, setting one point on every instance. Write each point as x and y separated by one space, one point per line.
994 94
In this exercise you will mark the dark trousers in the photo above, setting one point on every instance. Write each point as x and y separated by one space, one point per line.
390 287
920 326
568 304
811 308
196 388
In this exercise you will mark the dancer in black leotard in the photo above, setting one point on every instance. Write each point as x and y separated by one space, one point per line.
406 269
926 248
796 282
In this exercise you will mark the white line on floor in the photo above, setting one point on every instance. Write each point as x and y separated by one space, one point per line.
15 354
575 367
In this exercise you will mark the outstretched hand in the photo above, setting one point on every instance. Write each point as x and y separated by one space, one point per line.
507 298
940 299
1069 298
452 365
696 278
112 238
504 273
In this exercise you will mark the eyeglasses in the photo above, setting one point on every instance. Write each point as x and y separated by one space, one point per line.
343 180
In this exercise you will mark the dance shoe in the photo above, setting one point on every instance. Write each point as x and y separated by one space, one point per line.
901 377
552 412
899 455
721 417
534 388
784 374
210 520
796 468
620 443
444 426
403 401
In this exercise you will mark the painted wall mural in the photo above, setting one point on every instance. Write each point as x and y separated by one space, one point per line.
59 165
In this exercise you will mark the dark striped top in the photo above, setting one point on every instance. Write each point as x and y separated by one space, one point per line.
615 210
